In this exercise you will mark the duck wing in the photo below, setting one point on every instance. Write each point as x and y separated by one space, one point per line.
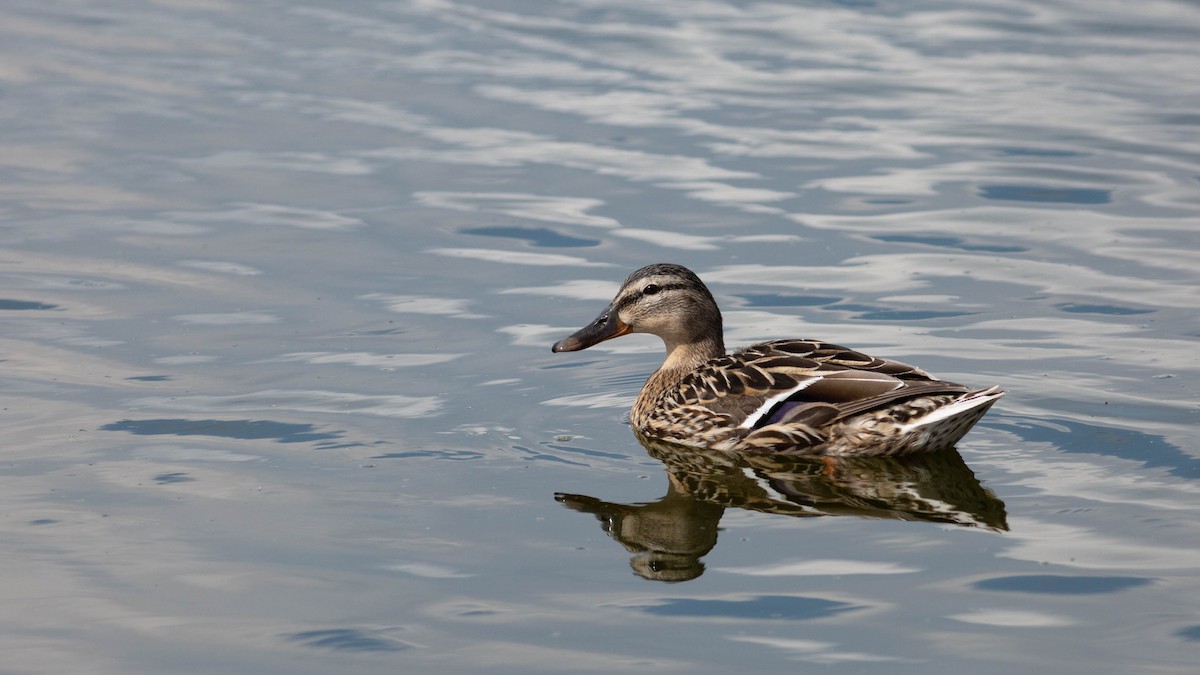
805 384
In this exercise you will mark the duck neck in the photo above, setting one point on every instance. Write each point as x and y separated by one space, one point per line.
688 356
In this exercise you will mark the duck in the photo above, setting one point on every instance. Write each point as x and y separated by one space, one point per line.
788 396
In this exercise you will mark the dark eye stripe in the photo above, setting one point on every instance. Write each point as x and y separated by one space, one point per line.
634 297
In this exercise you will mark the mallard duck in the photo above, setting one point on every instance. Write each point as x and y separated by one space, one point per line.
794 396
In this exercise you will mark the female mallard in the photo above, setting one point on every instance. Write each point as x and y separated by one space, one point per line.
803 396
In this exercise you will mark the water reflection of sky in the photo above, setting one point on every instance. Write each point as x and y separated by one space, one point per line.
279 285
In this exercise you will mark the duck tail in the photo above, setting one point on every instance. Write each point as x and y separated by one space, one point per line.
946 425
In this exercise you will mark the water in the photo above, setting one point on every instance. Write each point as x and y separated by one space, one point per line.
278 283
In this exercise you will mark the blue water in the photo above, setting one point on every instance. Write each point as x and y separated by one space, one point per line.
279 282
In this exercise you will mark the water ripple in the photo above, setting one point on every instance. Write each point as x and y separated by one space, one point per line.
762 607
347 640
313 401
208 208
566 210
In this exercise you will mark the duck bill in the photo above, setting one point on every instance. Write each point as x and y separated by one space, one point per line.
606 327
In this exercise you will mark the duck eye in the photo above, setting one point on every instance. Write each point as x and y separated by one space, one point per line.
651 289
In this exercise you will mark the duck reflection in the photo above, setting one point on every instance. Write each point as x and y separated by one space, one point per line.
669 537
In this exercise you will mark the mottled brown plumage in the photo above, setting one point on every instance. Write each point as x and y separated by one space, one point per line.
799 396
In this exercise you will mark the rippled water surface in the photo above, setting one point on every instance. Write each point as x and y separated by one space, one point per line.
278 283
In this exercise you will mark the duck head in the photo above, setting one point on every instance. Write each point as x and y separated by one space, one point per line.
663 299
